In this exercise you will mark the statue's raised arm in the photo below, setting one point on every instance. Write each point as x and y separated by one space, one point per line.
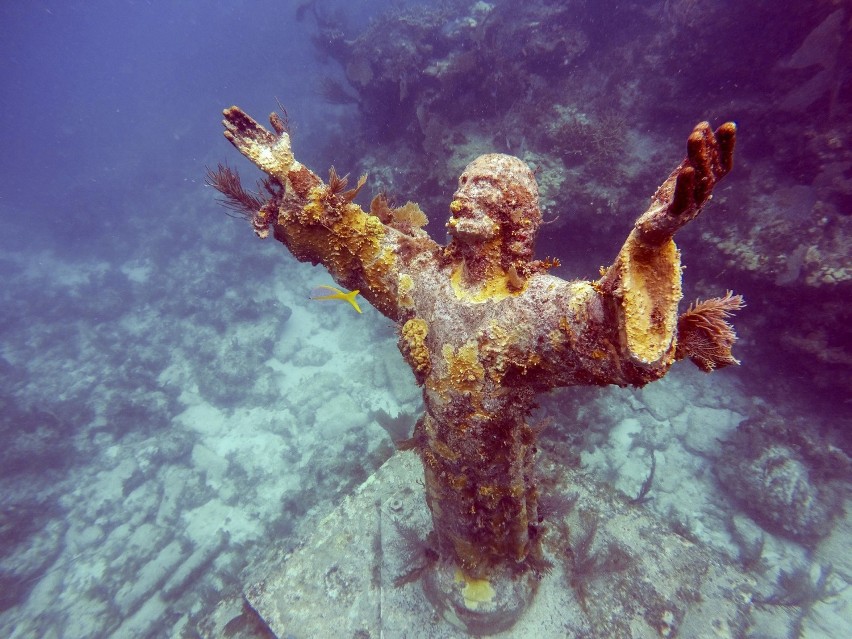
317 221
646 276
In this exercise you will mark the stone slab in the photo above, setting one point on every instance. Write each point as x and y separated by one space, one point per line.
341 581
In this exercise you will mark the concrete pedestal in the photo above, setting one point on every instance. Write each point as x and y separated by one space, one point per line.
356 576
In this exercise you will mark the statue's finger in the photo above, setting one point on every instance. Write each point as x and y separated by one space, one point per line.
240 126
701 151
726 136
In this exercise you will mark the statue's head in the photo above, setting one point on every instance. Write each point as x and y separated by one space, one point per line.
495 212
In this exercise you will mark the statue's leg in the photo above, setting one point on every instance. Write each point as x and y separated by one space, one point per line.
480 490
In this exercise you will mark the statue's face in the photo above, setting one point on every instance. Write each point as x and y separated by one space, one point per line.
475 198
497 198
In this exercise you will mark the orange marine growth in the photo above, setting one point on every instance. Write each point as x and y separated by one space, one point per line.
704 334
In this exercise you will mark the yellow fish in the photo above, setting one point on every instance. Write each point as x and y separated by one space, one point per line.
320 293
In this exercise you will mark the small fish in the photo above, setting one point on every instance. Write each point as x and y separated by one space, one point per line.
321 293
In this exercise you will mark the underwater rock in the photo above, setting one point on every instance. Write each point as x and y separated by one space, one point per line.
239 364
660 402
27 556
310 355
700 428
785 478
779 487
33 441
834 549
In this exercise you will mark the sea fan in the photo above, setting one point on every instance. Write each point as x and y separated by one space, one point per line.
704 334
225 180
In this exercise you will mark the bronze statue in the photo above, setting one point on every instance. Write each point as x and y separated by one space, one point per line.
485 327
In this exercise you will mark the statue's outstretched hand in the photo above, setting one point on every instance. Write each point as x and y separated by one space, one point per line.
710 157
271 152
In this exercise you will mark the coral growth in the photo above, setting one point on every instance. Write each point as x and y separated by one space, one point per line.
704 334
585 563
786 475
579 138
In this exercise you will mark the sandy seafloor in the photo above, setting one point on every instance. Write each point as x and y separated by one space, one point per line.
187 412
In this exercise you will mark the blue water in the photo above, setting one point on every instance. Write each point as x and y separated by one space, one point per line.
168 391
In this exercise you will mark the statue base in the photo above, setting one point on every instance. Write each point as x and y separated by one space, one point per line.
362 573
478 606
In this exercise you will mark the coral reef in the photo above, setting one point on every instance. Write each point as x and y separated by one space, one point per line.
787 476
485 327
556 83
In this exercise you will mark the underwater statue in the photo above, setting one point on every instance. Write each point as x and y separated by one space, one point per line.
485 328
